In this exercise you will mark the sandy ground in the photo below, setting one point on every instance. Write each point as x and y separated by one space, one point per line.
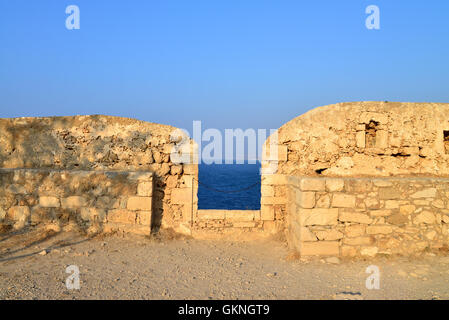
142 268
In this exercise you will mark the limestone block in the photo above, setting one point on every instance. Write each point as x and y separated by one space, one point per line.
176 170
351 216
121 216
139 203
341 200
426 193
407 209
358 241
391 204
145 189
382 183
191 169
267 191
211 214
49 202
438 204
144 218
355 230
273 200
306 199
91 214
320 248
426 217
380 213
334 185
324 201
389 193
306 235
181 195
318 216
18 213
239 215
397 219
244 224
274 179
73 202
330 234
266 213
369 251
312 184
348 251
379 229
381 139
360 139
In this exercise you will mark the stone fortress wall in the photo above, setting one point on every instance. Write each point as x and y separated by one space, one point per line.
361 178
66 149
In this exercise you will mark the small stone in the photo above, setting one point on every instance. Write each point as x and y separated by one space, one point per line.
43 252
333 260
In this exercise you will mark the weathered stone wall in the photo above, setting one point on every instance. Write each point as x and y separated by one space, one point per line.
367 216
367 139
106 143
235 224
355 139
93 201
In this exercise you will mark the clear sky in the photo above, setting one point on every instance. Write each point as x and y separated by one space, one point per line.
246 63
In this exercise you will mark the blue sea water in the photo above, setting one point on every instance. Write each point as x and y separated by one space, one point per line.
229 177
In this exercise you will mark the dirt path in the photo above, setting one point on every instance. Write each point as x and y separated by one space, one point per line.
139 268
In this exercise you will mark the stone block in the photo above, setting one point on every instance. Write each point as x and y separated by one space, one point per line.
181 196
267 191
273 200
426 217
379 229
306 199
266 213
341 200
369 251
122 216
426 193
211 214
330 234
348 251
360 139
312 184
356 217
274 179
139 203
335 185
191 169
407 209
145 188
93 214
318 216
144 218
358 241
355 230
320 248
49 202
239 215
389 193
306 235
73 202
380 213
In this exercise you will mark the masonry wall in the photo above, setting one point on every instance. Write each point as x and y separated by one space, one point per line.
105 143
367 216
93 201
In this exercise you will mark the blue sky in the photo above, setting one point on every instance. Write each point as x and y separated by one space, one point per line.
248 63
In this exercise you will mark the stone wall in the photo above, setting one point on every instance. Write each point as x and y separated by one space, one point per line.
104 143
235 224
93 201
367 216
367 139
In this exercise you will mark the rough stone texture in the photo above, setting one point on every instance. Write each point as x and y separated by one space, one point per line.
103 143
357 228
104 200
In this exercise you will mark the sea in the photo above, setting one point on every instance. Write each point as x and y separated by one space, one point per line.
229 186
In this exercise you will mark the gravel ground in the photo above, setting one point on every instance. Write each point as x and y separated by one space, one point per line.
33 266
